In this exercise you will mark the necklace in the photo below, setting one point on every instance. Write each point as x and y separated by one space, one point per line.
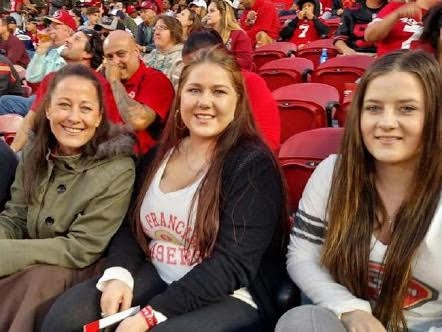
198 170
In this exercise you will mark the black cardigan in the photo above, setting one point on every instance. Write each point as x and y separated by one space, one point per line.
250 245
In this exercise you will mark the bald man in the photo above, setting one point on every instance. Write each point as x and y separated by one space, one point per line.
143 94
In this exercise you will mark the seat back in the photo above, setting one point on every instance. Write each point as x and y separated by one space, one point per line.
300 155
9 125
333 24
341 70
313 50
286 71
273 51
304 106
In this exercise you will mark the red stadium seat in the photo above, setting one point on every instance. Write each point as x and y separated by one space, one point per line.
272 51
300 155
305 106
344 107
312 51
9 125
333 24
341 70
286 71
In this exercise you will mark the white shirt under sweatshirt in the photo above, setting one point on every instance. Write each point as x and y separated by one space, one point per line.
423 305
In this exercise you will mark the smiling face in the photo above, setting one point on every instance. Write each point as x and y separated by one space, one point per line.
73 114
75 47
208 102
392 118
120 48
213 16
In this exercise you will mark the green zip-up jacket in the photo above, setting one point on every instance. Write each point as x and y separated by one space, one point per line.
79 205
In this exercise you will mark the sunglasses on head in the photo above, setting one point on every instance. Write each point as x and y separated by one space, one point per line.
89 32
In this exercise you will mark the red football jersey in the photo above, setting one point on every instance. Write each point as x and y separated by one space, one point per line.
404 34
304 33
16 5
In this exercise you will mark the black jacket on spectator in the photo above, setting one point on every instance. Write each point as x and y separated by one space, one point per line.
353 24
8 164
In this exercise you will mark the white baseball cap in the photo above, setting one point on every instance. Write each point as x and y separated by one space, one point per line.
234 4
199 3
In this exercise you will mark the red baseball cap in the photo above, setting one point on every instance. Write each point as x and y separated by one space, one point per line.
157 7
130 9
63 17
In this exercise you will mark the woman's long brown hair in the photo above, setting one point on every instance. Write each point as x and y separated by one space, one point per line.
209 192
44 140
354 203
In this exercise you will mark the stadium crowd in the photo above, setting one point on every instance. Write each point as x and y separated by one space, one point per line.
139 165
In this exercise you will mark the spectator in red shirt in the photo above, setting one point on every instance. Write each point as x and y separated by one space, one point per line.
259 15
12 47
221 17
143 95
398 26
306 26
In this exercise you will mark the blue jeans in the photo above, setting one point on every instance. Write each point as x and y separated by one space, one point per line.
10 104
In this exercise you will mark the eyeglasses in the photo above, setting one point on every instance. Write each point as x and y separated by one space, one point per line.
160 28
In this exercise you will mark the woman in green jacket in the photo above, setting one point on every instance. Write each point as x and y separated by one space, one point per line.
70 195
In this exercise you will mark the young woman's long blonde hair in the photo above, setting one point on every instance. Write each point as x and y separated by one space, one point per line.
355 208
228 21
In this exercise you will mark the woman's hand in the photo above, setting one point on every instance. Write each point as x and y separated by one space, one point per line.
136 323
361 321
117 296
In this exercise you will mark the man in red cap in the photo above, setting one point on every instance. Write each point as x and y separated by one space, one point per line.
47 56
133 13
149 9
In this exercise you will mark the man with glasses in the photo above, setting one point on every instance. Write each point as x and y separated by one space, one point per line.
143 95
83 47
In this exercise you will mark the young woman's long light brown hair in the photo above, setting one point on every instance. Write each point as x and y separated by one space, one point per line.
355 208
209 192
228 21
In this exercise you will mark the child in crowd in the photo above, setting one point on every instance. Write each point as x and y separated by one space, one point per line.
306 26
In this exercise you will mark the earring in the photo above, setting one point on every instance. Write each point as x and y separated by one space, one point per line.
179 124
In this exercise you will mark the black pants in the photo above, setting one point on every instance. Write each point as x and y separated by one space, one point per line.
81 305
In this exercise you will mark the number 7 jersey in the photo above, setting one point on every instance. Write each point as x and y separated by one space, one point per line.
405 34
